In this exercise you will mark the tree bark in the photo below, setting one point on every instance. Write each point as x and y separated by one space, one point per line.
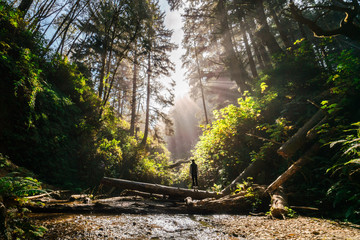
237 70
247 46
200 84
264 33
25 6
347 26
293 169
148 92
255 46
159 189
299 138
280 28
251 170
238 203
279 204
133 97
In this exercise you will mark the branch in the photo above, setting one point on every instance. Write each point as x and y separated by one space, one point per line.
264 139
347 27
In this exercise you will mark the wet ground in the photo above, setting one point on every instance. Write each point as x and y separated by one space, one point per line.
188 226
133 226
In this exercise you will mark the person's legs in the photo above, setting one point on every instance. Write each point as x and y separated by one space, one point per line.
196 182
193 180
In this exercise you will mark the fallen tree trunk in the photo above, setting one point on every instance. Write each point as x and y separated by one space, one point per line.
159 189
250 171
293 169
128 206
242 202
56 193
141 194
299 138
279 205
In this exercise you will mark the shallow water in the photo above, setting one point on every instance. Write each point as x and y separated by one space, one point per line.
132 226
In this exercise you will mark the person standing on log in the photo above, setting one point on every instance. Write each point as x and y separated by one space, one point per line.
193 173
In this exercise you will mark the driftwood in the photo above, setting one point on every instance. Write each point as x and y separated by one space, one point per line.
299 138
56 193
293 169
141 194
251 170
238 203
159 189
279 205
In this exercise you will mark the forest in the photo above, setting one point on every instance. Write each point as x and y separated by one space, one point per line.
86 92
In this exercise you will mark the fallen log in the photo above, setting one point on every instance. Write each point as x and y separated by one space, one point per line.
128 205
49 194
142 194
279 206
159 189
299 138
242 202
293 169
250 171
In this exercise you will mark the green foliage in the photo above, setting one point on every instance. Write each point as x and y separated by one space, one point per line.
110 152
19 186
223 149
345 80
276 108
253 196
13 189
345 191
54 123
290 213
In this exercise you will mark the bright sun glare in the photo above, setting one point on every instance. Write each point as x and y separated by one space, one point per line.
173 21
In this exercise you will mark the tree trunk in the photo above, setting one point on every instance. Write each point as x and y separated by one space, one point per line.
133 97
25 6
280 28
102 73
238 203
293 169
236 67
264 33
247 47
299 138
148 92
159 189
251 170
279 204
200 84
255 46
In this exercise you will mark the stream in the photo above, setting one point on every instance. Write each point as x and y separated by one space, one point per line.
133 226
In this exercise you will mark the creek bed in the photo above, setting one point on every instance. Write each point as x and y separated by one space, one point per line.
189 226
132 226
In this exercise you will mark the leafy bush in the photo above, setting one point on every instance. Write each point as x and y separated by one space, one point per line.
13 188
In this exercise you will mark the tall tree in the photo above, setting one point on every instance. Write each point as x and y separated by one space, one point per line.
264 31
25 6
236 67
158 45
